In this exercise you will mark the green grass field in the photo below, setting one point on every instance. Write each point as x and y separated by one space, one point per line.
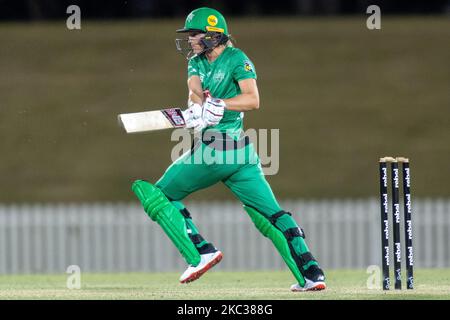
342 284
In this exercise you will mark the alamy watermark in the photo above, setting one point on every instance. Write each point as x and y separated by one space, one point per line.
260 147
74 278
374 279
73 22
374 20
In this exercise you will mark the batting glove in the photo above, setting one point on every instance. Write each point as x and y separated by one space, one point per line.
213 110
194 111
191 114
198 124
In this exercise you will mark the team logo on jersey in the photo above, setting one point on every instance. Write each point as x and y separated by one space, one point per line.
212 20
248 66
218 76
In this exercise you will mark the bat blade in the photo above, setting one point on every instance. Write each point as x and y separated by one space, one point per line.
152 120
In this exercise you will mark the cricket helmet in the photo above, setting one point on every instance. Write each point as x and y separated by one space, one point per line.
205 20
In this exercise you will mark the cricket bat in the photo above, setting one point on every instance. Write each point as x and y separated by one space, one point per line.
152 120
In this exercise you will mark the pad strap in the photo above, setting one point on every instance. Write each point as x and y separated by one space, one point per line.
196 238
207 248
294 232
306 257
186 213
273 218
289 233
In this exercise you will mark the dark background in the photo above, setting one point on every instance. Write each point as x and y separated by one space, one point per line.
108 9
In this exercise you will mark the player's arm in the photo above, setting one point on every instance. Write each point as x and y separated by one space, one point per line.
192 115
195 90
247 100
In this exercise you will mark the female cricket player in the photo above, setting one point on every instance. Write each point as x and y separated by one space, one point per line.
222 87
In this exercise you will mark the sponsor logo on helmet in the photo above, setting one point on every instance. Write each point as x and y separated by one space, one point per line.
212 20
215 29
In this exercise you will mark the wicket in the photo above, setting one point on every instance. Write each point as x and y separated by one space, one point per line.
396 221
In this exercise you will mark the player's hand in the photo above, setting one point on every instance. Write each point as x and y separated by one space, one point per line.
213 110
196 124
194 111
193 116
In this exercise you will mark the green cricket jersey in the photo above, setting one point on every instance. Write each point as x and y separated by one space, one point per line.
221 78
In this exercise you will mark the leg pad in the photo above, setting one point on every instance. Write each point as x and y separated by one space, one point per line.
161 210
278 239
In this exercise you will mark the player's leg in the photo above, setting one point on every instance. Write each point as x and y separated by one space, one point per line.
162 211
250 186
182 179
200 243
209 254
179 180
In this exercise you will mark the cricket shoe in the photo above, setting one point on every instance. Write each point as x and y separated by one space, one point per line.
314 280
207 261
